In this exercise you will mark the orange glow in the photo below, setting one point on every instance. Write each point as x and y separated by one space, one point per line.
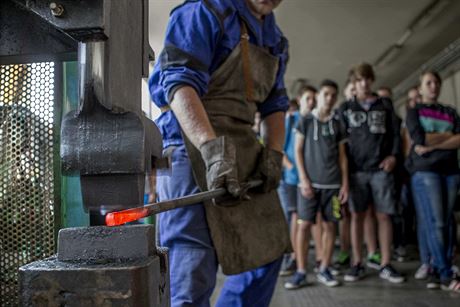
125 216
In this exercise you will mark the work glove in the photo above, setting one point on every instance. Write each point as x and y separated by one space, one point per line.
219 156
269 168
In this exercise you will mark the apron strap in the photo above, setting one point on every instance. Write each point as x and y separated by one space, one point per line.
246 64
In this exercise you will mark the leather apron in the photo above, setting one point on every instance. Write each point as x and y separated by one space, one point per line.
254 232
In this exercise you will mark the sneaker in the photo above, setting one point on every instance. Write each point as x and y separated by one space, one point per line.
422 272
389 273
343 259
373 261
325 277
297 281
289 267
451 285
355 273
433 281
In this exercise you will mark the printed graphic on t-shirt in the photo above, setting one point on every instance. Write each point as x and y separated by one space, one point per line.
376 122
326 130
435 121
356 118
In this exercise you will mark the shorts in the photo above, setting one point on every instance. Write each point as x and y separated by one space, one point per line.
322 202
288 197
376 188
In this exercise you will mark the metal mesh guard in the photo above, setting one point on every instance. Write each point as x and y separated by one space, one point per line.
26 170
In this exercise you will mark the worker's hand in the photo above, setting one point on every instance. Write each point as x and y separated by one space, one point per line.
219 155
306 189
421 150
388 164
269 168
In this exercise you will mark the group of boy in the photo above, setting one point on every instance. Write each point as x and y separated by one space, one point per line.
336 159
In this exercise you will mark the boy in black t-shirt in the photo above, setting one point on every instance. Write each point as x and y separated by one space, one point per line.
323 181
373 144
435 177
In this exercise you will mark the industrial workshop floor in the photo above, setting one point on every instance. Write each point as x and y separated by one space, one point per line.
369 292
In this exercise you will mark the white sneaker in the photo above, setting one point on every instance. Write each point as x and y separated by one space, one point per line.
422 272
325 277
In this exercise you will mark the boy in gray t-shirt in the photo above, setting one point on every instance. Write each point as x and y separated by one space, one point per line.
323 175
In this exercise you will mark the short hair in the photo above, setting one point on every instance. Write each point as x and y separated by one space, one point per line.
331 83
293 103
307 88
297 86
385 88
431 72
363 70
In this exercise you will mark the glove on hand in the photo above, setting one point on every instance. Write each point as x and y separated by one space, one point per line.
219 156
269 168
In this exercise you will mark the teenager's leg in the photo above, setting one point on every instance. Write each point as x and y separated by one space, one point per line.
383 191
301 250
452 184
328 243
317 234
358 205
357 221
370 230
293 232
344 231
427 189
385 237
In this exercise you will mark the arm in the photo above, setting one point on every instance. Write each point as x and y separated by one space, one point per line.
192 117
389 163
286 163
436 138
441 141
273 131
305 183
451 143
343 162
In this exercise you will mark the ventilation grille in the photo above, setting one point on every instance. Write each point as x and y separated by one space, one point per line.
26 170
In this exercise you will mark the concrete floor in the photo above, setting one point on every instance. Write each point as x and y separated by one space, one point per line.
369 292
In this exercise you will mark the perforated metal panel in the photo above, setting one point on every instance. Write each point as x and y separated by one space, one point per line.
26 170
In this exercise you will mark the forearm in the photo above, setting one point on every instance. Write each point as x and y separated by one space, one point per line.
286 162
432 139
192 117
343 163
453 142
273 131
299 160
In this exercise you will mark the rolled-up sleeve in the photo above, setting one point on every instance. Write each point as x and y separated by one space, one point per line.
191 37
278 100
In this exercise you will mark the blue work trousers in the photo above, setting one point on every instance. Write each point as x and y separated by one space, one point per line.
192 258
434 198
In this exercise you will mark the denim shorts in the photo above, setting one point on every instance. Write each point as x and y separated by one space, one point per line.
376 188
288 197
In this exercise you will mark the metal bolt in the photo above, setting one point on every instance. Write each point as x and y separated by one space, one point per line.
56 9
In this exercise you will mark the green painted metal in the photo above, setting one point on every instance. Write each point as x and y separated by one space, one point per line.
72 213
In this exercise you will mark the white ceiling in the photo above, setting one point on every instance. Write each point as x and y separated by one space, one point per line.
328 36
